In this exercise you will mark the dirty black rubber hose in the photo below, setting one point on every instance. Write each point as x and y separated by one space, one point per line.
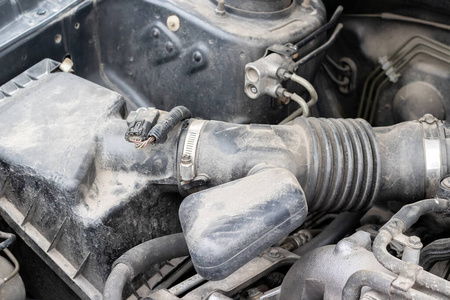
322 48
9 239
322 29
175 116
436 251
334 232
141 258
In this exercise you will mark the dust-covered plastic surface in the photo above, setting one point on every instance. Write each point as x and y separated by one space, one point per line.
227 226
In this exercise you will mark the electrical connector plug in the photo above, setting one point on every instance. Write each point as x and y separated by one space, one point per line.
140 122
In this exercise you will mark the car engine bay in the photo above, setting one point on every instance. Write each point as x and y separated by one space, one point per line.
224 149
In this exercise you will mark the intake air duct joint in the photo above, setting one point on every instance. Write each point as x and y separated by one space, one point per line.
323 164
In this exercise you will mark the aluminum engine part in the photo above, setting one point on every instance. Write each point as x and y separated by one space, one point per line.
325 271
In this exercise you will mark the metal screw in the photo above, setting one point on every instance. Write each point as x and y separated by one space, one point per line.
169 47
446 182
41 12
186 159
253 89
155 33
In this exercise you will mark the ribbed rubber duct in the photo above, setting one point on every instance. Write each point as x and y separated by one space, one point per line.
339 164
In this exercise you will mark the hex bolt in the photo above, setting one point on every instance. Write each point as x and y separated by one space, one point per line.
446 182
414 241
41 12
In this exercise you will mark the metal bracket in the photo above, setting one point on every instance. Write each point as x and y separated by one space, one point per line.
285 50
405 280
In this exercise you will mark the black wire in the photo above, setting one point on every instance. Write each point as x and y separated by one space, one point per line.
337 13
322 48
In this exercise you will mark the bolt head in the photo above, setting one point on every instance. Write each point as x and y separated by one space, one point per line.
186 159
415 241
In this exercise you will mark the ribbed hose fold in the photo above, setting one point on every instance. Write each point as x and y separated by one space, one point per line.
347 168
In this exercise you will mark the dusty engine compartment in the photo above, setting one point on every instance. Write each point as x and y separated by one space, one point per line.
256 149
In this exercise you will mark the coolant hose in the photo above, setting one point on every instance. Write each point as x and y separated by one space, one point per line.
139 259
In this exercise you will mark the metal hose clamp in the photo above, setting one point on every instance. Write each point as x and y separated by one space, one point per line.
187 164
432 135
